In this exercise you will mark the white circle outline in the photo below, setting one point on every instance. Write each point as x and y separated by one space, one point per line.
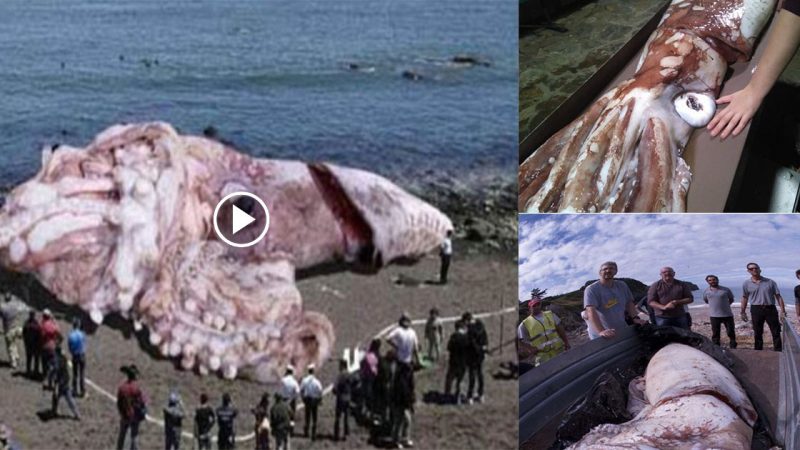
260 236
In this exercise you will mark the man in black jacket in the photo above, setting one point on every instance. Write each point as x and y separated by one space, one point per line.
459 348
479 346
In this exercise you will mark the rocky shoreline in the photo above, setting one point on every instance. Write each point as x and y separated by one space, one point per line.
485 218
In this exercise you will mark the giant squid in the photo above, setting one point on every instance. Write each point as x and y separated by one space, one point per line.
124 226
690 402
624 153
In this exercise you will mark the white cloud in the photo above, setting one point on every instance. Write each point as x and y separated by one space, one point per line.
561 252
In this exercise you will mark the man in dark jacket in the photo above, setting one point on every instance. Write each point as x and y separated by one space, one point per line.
459 347
204 420
343 392
226 414
479 346
280 420
32 337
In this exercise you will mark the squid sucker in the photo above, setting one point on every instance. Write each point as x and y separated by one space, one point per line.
688 401
125 226
624 153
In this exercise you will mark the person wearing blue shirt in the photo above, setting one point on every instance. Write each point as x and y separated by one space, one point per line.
77 348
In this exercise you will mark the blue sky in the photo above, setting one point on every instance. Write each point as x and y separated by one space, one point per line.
560 252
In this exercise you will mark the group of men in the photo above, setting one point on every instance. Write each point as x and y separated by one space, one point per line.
44 356
609 306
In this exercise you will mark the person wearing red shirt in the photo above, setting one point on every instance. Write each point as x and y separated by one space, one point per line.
51 337
131 405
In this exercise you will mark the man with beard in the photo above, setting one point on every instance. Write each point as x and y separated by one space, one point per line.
667 297
762 293
606 303
719 299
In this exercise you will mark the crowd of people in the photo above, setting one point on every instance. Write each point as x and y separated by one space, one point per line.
379 394
609 306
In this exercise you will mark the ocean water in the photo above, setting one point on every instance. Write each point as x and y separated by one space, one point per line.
272 77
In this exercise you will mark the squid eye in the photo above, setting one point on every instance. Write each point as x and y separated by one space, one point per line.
695 108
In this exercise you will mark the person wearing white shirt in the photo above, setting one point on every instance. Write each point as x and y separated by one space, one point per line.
445 253
311 393
289 389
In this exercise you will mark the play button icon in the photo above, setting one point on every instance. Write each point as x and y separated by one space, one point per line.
241 219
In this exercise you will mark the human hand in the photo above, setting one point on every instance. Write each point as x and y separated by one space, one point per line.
744 316
608 334
670 305
742 105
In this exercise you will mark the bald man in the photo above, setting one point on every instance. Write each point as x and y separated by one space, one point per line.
667 297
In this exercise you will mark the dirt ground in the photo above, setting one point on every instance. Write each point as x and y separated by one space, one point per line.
359 306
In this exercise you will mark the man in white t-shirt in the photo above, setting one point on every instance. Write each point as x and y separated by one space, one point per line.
290 389
404 340
311 393
445 252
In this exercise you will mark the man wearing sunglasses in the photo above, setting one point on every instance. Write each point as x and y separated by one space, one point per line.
761 293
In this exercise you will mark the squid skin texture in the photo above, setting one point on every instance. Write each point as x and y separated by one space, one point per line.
624 154
690 401
125 226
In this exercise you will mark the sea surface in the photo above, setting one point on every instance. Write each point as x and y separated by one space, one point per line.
273 77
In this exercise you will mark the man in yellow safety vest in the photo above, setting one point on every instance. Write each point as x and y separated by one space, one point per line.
541 335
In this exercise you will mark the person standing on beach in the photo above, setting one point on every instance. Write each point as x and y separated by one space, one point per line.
50 338
204 419
61 378
173 422
131 405
445 253
311 393
667 297
226 429
32 337
541 333
606 302
11 309
719 299
280 420
76 340
434 334
797 295
458 347
479 347
762 293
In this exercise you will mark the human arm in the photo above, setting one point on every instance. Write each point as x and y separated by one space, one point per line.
744 306
652 300
742 105
781 304
563 335
524 339
594 319
633 313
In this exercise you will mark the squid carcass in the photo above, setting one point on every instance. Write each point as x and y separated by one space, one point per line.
125 226
624 153
691 402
